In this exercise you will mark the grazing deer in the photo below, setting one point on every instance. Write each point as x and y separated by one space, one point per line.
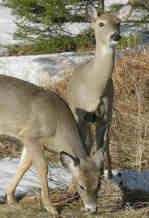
39 117
90 91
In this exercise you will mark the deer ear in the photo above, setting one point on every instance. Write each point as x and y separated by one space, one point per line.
92 12
69 161
124 12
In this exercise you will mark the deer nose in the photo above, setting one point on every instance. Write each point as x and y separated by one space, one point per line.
91 210
116 36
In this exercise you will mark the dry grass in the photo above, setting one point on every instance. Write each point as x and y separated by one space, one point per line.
130 133
9 147
112 203
129 146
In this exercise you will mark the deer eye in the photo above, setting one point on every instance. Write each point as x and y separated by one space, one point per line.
101 24
82 187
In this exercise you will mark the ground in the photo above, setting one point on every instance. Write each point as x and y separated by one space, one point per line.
110 205
129 149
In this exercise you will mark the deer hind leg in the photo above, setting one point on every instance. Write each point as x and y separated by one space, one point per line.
25 164
42 168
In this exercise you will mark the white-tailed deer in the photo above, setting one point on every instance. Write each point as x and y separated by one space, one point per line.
90 91
39 117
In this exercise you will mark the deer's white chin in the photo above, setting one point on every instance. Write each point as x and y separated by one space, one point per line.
113 43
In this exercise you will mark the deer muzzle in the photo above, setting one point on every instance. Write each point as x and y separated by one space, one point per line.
90 204
116 37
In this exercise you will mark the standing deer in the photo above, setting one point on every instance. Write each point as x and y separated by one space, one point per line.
90 91
39 117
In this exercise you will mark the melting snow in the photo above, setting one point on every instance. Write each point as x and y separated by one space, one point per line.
59 177
42 69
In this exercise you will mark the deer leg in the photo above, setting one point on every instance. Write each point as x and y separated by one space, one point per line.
92 135
100 131
108 101
72 188
107 150
42 168
84 128
25 164
103 141
104 115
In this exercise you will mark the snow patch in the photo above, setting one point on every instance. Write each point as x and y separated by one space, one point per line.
42 70
59 177
108 3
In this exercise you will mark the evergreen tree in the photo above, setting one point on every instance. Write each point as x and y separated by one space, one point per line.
140 3
44 18
144 5
42 22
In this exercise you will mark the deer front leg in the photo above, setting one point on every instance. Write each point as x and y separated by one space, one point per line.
107 150
42 168
25 164
72 188
103 130
83 123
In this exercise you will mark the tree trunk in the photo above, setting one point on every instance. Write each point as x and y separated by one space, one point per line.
101 6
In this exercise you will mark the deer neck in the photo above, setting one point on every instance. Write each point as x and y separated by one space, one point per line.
102 67
104 61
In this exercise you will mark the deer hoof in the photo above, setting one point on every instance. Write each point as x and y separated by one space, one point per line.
12 202
52 212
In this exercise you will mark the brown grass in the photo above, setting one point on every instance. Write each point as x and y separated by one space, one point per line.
130 133
112 203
